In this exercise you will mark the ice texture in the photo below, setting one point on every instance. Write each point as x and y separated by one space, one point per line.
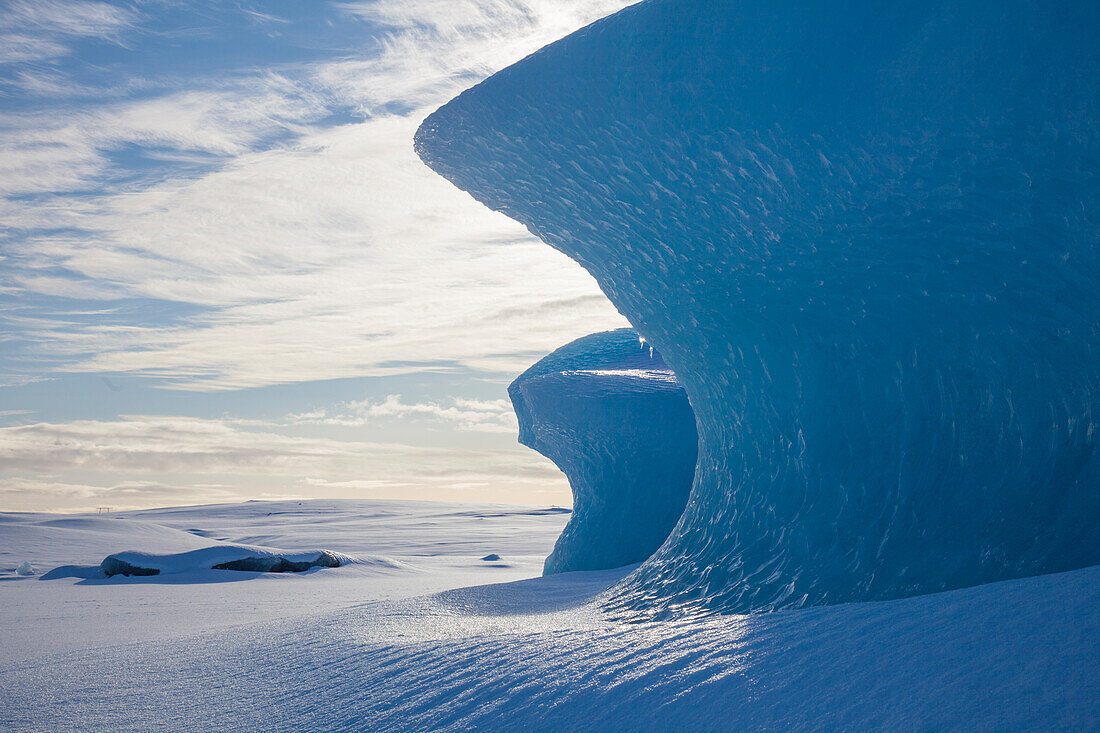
610 413
865 237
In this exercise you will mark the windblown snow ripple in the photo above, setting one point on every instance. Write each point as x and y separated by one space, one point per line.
865 237
609 412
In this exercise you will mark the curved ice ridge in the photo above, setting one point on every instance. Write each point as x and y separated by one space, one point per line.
865 237
608 411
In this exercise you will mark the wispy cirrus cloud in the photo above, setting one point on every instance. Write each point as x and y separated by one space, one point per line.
68 17
43 152
310 250
431 51
347 260
41 30
16 47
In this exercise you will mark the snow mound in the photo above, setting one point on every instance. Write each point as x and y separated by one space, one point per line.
220 557
864 236
609 412
54 540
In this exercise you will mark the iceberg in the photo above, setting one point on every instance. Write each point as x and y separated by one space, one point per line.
864 237
608 411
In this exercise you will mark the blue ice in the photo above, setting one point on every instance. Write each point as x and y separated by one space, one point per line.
608 411
865 237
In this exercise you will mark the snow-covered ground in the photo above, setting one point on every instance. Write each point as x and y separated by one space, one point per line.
420 633
398 549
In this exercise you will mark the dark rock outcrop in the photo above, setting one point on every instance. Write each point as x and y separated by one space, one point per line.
278 564
112 566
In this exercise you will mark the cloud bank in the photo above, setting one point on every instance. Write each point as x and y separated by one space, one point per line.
143 461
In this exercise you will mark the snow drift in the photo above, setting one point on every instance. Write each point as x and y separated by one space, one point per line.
609 412
248 558
864 236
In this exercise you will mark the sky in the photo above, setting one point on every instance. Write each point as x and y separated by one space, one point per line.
225 275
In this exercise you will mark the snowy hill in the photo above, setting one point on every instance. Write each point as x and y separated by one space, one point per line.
396 548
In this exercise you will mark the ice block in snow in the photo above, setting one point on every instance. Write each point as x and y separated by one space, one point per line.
610 413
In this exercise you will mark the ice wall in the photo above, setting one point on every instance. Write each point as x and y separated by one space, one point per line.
610 413
865 237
